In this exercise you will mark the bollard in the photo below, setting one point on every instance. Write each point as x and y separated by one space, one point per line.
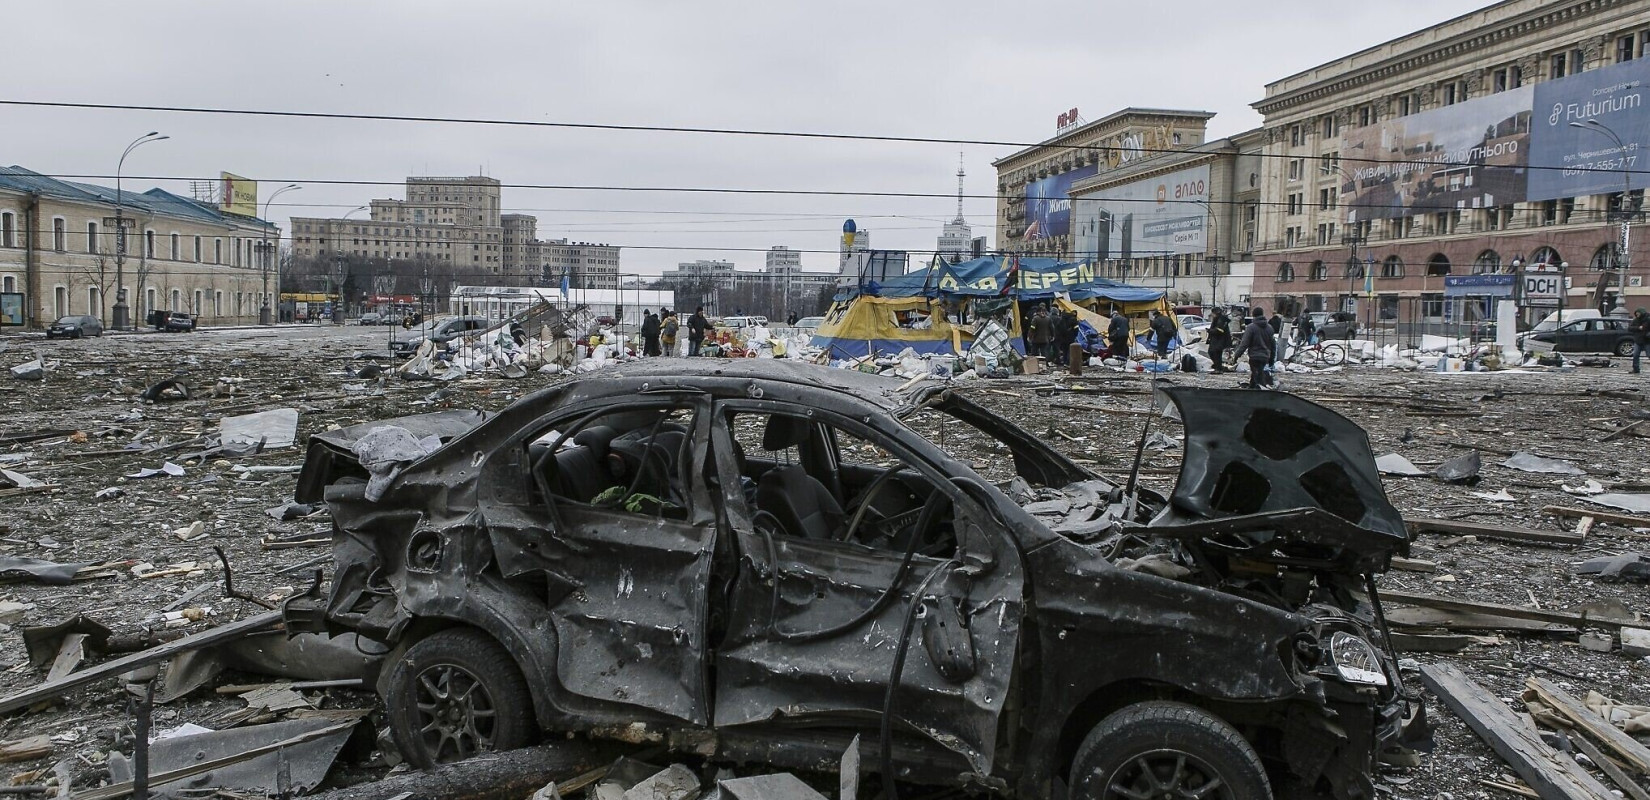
1075 356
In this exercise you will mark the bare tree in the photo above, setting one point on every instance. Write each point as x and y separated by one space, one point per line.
100 274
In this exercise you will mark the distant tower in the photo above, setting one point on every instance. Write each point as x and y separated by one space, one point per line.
956 236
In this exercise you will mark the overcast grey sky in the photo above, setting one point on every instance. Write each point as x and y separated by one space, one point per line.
967 69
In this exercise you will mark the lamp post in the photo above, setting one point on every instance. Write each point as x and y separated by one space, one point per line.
1623 253
1213 257
264 316
123 314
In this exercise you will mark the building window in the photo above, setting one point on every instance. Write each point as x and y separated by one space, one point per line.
148 244
177 247
1326 199
1326 234
1547 256
1296 203
1455 92
1297 168
94 302
1292 236
8 229
1604 258
1297 137
217 251
60 234
1625 49
8 283
1578 61
60 301
1320 272
1286 272
1557 66
148 301
1409 104
1487 262
1366 115
91 237
197 249
1327 127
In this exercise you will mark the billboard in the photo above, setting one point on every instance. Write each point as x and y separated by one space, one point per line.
11 309
1473 154
239 196
1572 161
1144 219
1048 203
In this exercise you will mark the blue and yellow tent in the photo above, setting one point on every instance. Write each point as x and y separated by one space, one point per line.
913 310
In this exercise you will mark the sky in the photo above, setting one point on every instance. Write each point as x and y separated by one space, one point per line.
957 70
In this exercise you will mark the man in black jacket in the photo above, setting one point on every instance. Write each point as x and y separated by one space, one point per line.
650 334
1065 332
1163 330
1259 343
697 325
1039 332
1640 328
1276 324
1220 338
1117 335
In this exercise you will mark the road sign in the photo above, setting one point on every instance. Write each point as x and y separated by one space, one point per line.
1541 288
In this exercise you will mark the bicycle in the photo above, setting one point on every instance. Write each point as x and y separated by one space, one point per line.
1318 354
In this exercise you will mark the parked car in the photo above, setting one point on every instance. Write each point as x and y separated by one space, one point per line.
1192 322
178 322
809 324
370 318
75 326
1333 324
1595 335
759 563
736 323
444 331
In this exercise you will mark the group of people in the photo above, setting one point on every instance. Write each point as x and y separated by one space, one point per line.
1050 334
660 331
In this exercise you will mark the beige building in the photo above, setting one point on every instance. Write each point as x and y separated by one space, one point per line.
1441 154
1033 184
58 248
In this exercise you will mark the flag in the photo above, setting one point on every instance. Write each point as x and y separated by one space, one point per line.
1012 275
564 284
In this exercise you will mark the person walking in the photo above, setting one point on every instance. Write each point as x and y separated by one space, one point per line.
1220 338
1304 330
1258 343
667 332
697 325
1163 330
650 334
1276 324
1117 335
1039 332
1640 328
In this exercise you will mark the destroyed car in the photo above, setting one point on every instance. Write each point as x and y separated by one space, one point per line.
758 561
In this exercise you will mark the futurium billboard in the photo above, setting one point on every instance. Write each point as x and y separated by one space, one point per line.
1048 203
1160 216
1574 154
240 195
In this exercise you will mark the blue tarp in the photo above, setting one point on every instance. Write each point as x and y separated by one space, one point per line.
1030 279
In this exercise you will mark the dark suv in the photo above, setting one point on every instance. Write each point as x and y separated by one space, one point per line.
758 562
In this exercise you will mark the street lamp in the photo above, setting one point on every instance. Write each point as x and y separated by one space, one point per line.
122 313
1623 254
264 317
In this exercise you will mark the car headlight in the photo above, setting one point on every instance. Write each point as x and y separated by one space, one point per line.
1356 660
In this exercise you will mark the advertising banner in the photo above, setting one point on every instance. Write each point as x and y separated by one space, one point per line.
1048 203
1144 219
11 309
1467 155
1575 161
240 195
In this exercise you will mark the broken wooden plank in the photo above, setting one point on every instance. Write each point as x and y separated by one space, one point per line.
1610 517
1623 431
1568 618
492 776
25 749
1636 755
1610 768
1510 533
1414 564
1585 526
13 492
1553 775
153 655
1429 643
69 656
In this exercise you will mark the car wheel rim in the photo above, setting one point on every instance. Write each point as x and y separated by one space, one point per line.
456 715
1167 775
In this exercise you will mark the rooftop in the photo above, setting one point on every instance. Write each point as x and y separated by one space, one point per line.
155 201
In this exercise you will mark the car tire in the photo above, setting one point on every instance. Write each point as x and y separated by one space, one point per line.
455 694
1624 348
76 335
1166 749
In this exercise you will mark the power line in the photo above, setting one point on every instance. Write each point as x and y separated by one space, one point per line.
754 132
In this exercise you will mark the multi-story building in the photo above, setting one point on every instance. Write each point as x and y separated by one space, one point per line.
1409 180
780 288
453 222
588 265
58 248
1033 184
781 257
845 254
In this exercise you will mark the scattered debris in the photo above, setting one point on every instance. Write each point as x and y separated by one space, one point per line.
18 568
167 468
1626 567
1461 469
30 371
1636 503
167 390
266 430
1526 462
1506 532
1394 464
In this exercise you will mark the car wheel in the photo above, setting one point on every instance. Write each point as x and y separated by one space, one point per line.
456 694
1624 348
1163 749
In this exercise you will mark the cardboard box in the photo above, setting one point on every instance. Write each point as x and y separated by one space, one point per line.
1033 365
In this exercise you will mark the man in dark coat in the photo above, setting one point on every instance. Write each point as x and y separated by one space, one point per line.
1117 335
1276 324
1039 333
650 334
1640 328
697 325
1220 338
1163 329
1065 332
1259 344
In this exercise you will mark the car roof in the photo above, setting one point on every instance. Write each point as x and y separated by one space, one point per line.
873 389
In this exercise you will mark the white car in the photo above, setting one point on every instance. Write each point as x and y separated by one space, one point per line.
1192 322
809 323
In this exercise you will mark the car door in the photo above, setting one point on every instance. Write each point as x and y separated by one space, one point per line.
816 626
625 584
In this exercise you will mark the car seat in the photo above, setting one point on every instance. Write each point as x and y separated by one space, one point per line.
801 503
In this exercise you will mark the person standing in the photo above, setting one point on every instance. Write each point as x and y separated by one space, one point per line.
1304 330
1163 331
667 332
1039 332
1117 335
650 334
697 325
1258 343
1065 332
1276 324
790 320
1220 338
1640 328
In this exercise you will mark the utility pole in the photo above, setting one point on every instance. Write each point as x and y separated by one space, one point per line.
1624 256
264 316
122 318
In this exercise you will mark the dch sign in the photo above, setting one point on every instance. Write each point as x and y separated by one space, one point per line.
1542 287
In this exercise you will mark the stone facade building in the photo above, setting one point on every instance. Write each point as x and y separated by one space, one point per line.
58 248
1425 158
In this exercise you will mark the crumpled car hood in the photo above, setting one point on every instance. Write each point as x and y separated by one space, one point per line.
330 453
1280 471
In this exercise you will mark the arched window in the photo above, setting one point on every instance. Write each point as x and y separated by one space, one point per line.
1393 266
1487 262
1286 272
1320 272
1354 268
1604 258
1546 255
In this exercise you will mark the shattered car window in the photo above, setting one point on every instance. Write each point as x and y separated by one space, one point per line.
630 460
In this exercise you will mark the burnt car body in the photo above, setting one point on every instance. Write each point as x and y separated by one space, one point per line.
747 560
